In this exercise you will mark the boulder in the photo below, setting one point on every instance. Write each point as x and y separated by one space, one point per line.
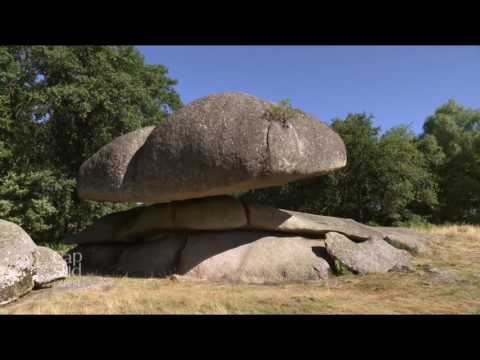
214 213
122 226
410 240
220 144
372 256
237 256
17 262
155 256
294 222
435 275
49 266
104 172
96 259
138 223
253 257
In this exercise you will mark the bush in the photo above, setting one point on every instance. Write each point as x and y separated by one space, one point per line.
45 205
38 201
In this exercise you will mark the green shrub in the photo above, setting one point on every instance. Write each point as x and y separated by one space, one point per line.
283 112
45 205
38 201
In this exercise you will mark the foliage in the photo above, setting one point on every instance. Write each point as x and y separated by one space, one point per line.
456 132
58 106
78 98
282 112
406 184
39 202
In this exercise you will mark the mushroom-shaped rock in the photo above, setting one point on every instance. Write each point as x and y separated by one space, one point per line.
219 144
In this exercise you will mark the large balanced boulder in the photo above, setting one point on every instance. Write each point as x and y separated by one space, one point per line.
219 144
372 256
49 267
253 257
17 262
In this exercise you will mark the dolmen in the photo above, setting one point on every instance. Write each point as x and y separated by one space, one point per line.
187 173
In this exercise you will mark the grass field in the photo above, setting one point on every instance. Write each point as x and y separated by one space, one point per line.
446 280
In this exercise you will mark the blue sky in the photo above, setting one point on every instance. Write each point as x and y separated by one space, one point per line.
396 84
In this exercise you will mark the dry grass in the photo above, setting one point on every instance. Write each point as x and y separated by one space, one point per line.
457 250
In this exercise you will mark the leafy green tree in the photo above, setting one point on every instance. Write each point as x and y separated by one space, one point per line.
407 187
456 130
78 98
58 106
39 201
357 183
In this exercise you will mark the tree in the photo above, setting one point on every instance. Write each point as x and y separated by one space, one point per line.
407 186
60 104
456 131
40 201
357 183
79 98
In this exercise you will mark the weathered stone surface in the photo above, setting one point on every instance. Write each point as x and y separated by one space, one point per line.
253 257
270 218
410 240
17 262
103 173
155 256
126 226
72 286
97 259
435 275
49 266
145 221
214 213
371 256
219 144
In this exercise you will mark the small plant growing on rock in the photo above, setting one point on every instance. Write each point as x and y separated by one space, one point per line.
340 269
282 112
